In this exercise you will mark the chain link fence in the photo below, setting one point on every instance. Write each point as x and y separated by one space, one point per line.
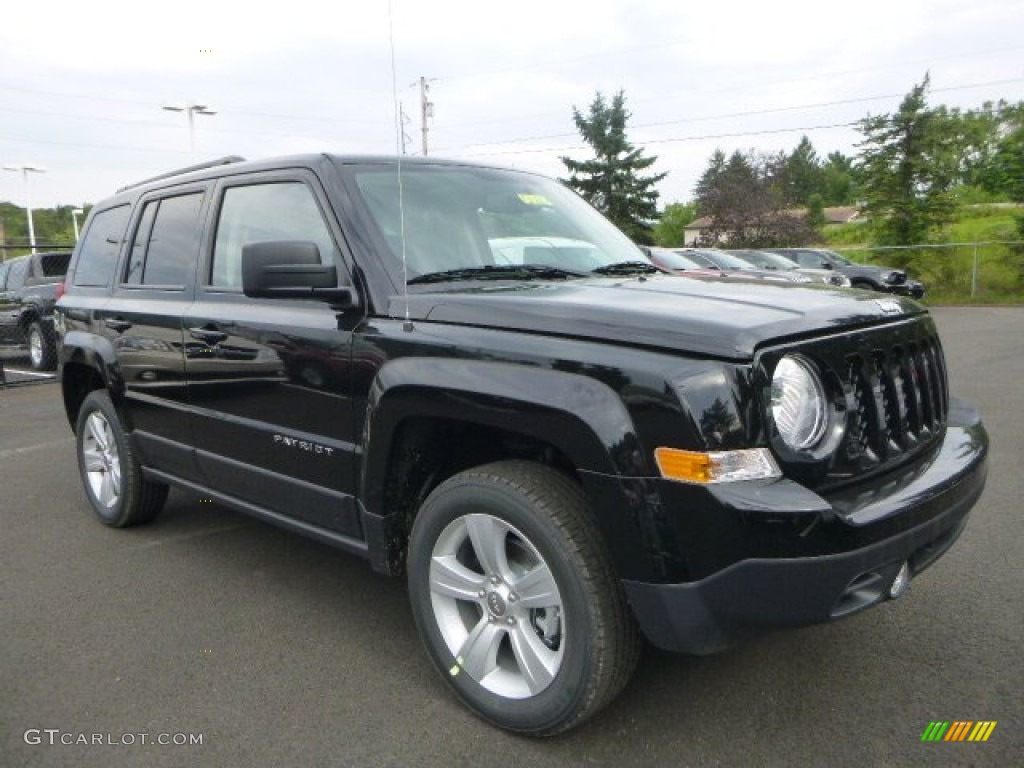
986 270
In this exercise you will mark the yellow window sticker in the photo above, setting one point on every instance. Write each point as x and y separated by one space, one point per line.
533 199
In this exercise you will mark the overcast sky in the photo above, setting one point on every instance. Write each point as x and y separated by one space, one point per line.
82 84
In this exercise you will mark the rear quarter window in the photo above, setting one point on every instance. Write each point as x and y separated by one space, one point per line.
97 258
55 264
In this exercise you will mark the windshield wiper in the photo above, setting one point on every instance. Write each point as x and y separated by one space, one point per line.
627 268
498 272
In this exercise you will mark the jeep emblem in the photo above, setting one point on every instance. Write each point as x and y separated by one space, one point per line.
496 604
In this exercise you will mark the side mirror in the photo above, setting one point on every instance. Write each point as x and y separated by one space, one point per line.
291 270
826 265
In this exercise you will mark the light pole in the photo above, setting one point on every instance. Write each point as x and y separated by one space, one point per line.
191 110
25 170
75 213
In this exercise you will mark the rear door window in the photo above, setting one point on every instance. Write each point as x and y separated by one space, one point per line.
166 244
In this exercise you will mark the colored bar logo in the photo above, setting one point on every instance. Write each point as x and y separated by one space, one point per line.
959 730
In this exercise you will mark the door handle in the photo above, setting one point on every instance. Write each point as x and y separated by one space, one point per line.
118 324
208 335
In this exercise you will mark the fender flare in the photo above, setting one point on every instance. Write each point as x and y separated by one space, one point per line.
98 354
579 415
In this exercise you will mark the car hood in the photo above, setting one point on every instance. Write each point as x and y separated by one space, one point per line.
871 270
720 318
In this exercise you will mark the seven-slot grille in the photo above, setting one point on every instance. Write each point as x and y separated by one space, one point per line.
898 400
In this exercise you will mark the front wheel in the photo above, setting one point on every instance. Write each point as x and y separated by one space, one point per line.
516 600
111 474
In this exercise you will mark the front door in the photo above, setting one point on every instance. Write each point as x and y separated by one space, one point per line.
269 379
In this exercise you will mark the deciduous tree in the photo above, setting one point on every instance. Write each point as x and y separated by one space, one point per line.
745 204
671 227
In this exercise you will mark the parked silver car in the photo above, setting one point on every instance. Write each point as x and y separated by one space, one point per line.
768 260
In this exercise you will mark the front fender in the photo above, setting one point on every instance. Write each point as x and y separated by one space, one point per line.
580 416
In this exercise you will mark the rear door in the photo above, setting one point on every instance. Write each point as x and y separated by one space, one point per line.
143 319
270 379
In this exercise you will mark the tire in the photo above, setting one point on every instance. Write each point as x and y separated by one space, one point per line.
110 472
516 600
42 347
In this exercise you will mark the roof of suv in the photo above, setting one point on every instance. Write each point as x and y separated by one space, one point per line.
234 163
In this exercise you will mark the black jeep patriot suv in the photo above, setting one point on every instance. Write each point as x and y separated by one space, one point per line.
467 375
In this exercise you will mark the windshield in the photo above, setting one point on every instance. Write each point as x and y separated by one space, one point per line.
765 260
459 218
835 258
673 260
718 259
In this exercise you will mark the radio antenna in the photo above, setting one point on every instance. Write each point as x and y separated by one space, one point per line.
407 325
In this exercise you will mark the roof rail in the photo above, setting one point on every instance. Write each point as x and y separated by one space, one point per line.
227 160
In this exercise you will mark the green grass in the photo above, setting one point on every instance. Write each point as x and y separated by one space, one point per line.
947 271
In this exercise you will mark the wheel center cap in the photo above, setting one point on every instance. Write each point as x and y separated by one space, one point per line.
496 604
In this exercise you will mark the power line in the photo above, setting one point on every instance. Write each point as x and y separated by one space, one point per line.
669 140
155 105
152 123
746 85
747 113
93 146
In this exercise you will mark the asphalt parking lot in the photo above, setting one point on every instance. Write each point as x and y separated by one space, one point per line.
283 652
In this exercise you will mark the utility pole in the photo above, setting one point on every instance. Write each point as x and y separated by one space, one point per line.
426 109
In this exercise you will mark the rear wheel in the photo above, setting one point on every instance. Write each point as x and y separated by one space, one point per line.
110 472
42 348
516 600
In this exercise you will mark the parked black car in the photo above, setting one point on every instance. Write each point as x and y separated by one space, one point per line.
885 279
29 288
556 444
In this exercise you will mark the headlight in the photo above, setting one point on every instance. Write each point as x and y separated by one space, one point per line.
798 403
895 277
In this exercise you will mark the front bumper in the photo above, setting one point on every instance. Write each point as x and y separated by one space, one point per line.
911 288
911 516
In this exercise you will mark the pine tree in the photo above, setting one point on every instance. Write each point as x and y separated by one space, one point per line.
612 182
803 174
908 169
